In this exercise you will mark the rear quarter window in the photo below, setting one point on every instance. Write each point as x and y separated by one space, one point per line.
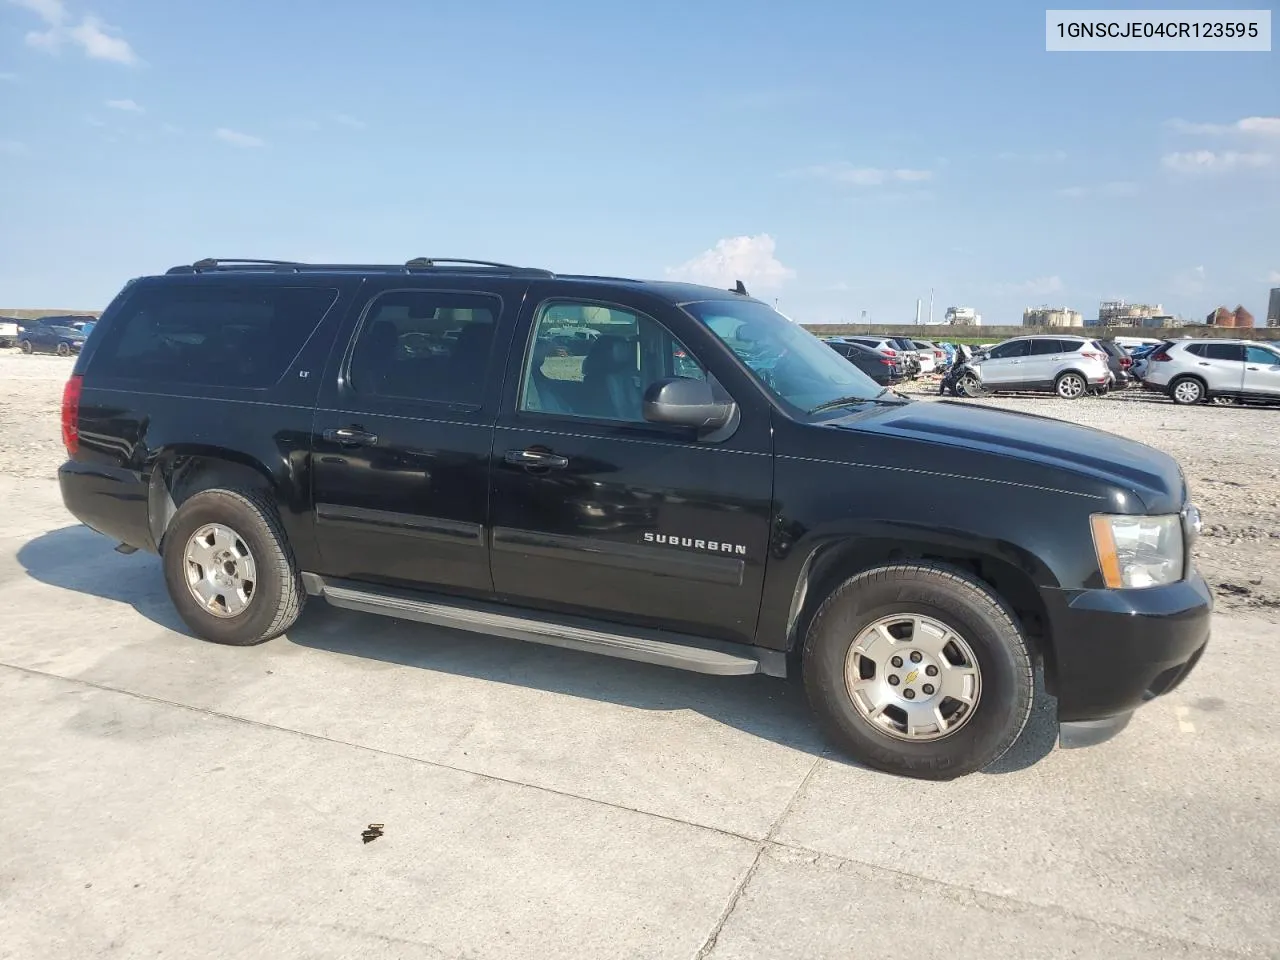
211 336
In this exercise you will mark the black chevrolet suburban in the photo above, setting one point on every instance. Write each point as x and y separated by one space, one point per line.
654 471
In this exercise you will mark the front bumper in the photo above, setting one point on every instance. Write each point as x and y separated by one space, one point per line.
1113 650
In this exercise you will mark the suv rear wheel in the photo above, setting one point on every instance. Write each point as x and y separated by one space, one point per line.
1186 391
229 569
26 346
1070 386
919 670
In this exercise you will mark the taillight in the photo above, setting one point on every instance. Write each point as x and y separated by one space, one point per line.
887 363
1126 363
71 415
939 354
890 353
1161 356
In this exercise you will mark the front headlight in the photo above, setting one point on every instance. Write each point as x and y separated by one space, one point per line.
1136 551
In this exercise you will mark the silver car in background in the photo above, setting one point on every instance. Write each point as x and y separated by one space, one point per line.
1194 370
1067 366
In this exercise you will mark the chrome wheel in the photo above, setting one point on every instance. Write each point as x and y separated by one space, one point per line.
63 350
969 385
913 677
221 574
1187 391
1071 386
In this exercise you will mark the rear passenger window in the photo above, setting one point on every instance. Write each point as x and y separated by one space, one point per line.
425 345
1224 351
1040 348
211 336
1197 349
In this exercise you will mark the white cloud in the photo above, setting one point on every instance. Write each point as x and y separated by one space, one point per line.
1273 276
52 12
238 139
1115 188
171 128
1252 126
1207 161
97 39
346 120
102 42
128 106
749 259
846 173
8 78
94 122
12 148
1039 287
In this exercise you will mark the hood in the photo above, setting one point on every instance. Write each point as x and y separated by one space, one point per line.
1154 477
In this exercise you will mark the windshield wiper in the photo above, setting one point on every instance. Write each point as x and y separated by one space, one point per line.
845 401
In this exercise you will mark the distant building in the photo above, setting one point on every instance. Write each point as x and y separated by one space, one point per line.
1222 317
1052 317
1118 313
1273 308
963 317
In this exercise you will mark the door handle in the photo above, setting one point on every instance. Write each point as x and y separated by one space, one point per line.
1203 364
536 458
1251 368
351 437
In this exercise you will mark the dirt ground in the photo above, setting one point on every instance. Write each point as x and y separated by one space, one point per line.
1230 455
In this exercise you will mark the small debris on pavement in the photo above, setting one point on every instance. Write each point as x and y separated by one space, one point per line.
372 833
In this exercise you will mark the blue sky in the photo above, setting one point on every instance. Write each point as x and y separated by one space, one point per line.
839 157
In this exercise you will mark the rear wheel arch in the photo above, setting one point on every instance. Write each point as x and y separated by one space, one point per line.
829 566
179 474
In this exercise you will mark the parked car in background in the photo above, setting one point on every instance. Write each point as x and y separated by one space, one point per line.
1118 361
885 346
883 370
9 330
1068 366
932 357
44 336
1192 371
1141 356
914 365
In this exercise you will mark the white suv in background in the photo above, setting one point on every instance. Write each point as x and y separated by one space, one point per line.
1067 366
1192 371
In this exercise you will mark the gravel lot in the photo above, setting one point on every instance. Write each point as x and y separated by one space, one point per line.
1229 455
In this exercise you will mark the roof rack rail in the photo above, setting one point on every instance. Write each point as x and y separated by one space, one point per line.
210 264
426 263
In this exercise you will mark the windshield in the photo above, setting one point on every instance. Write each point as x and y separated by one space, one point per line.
792 364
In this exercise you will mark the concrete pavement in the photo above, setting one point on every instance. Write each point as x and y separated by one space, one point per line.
160 795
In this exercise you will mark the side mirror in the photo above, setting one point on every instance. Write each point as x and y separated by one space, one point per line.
686 403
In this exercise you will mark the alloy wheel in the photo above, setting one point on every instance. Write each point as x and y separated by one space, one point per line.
913 677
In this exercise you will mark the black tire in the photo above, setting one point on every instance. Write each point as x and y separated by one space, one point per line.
1070 386
278 596
63 350
26 347
1188 391
965 605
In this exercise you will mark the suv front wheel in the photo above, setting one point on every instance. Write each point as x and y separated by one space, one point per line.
920 670
229 569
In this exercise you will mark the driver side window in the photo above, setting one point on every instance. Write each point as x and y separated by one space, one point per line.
595 361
